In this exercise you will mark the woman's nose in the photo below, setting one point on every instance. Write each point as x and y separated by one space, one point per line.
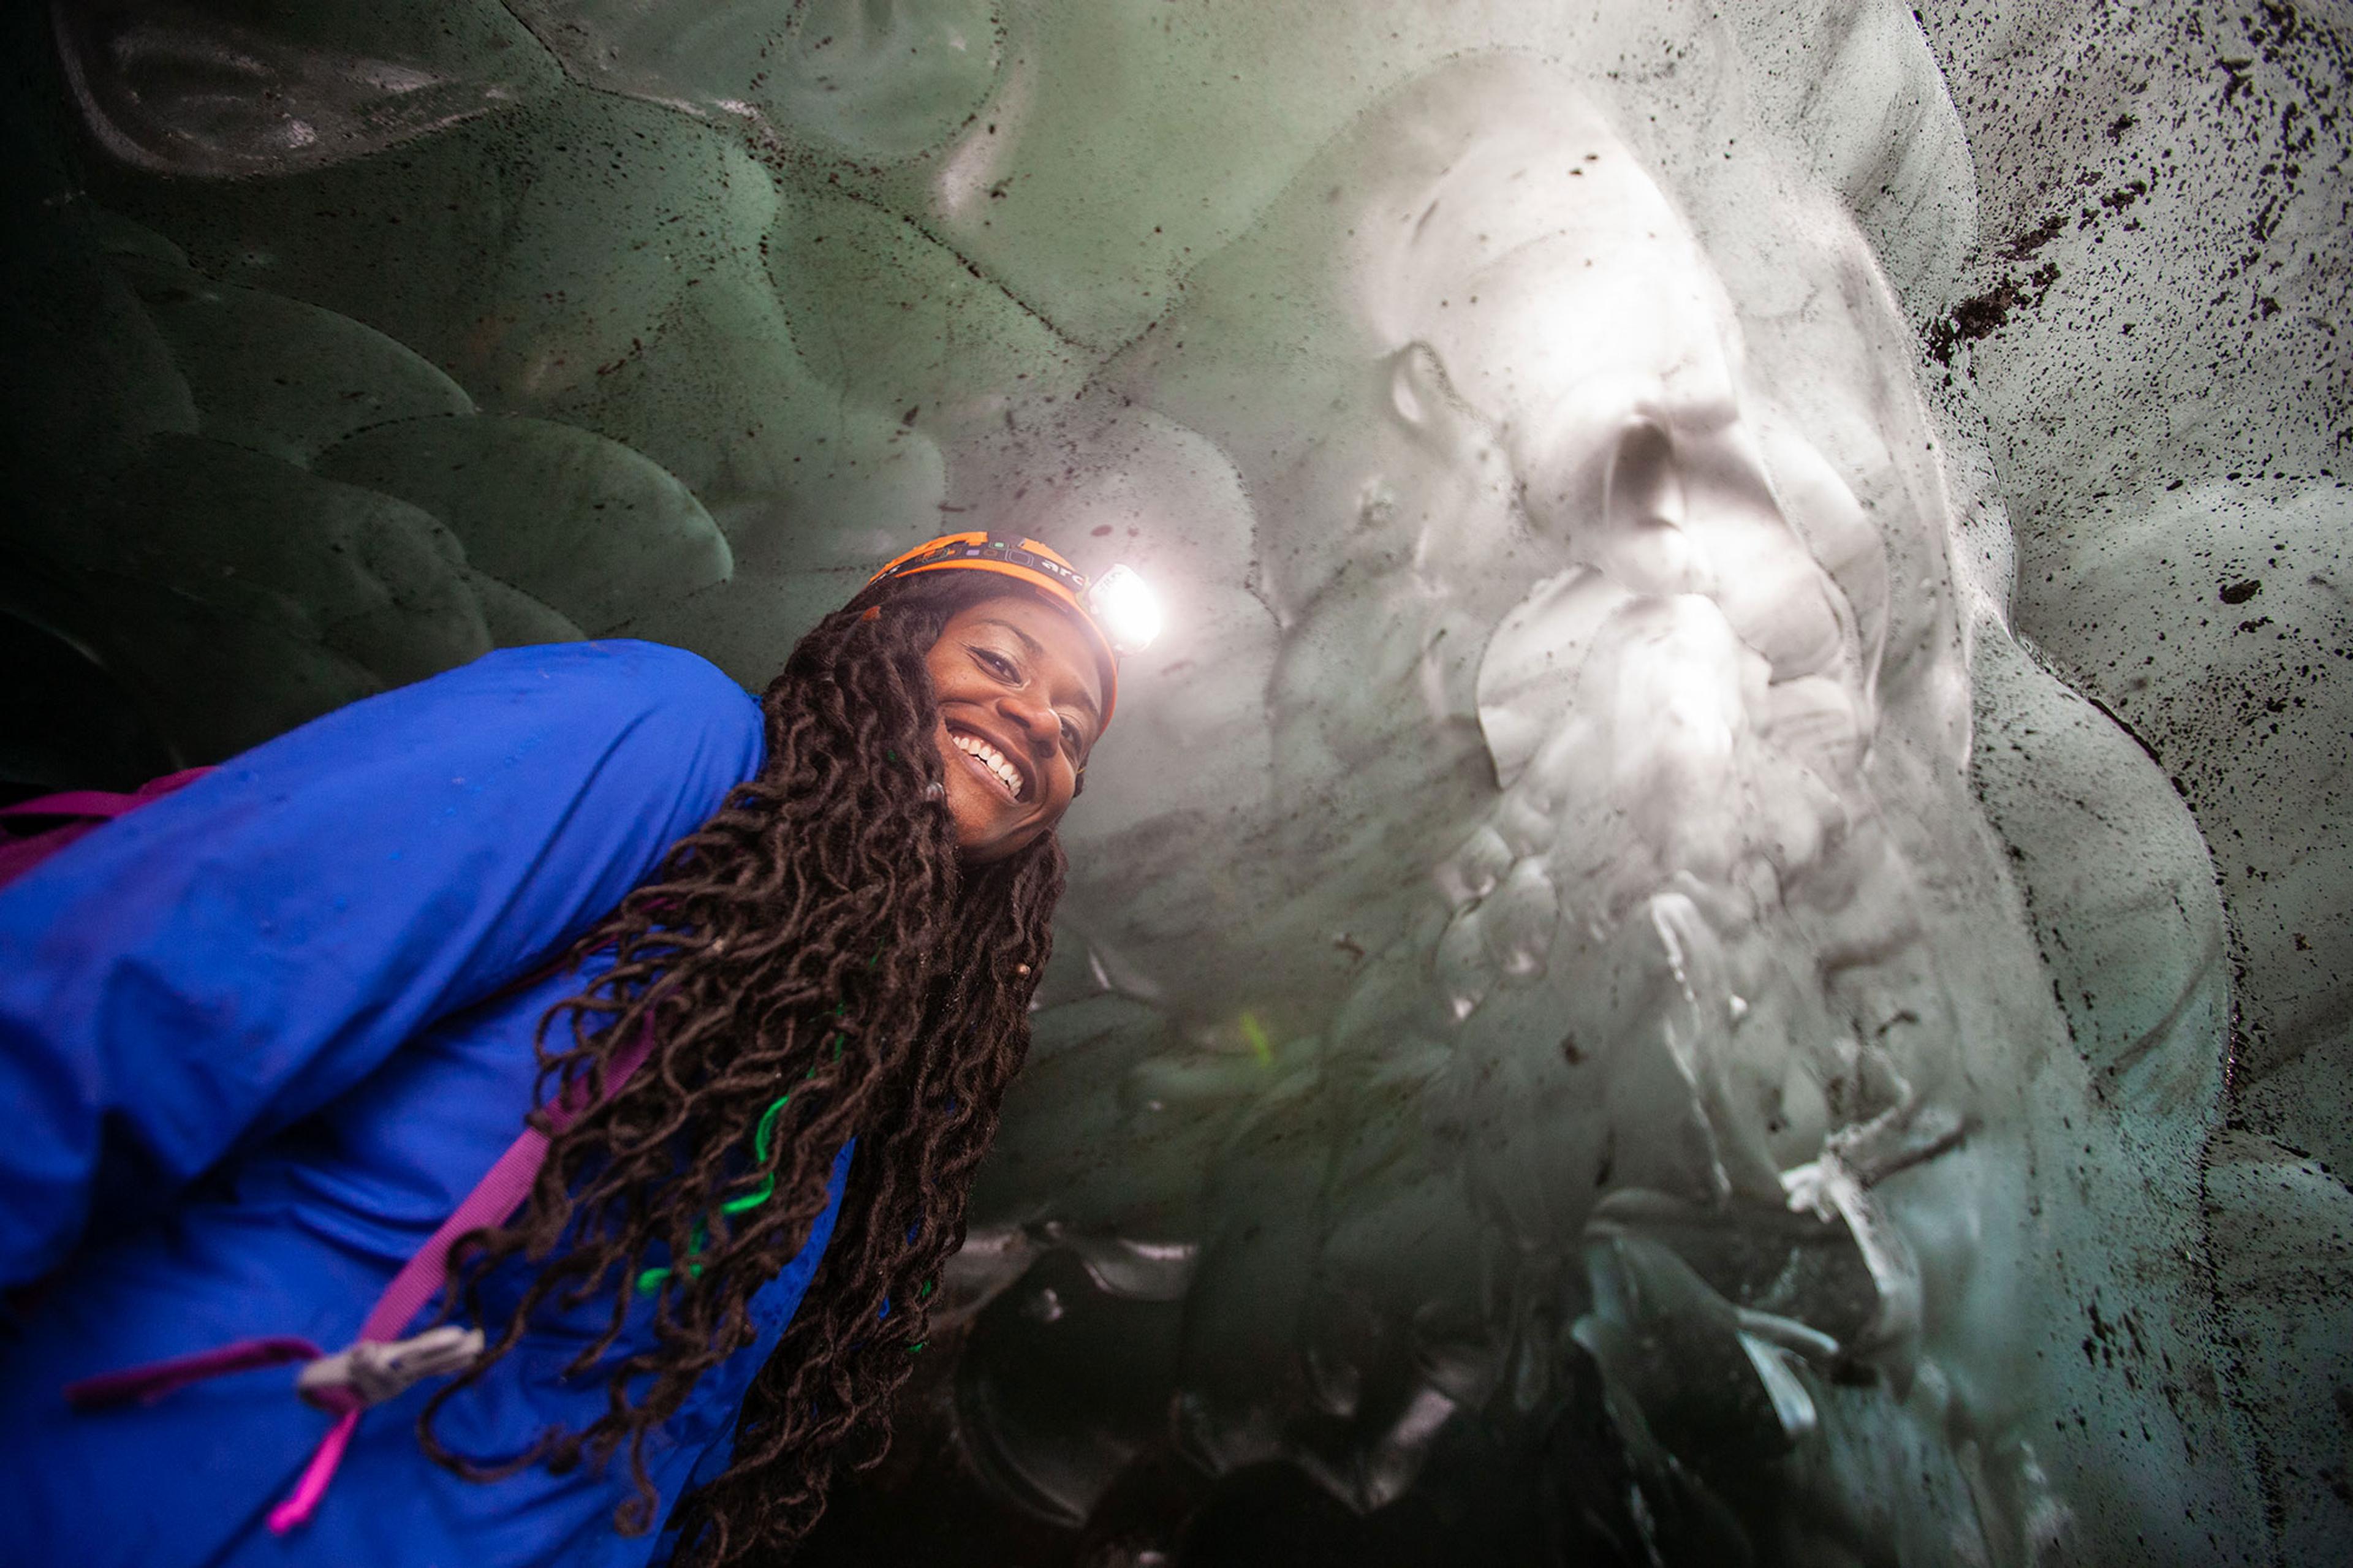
1036 719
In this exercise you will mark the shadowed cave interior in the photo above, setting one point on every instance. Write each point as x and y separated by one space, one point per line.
1721 934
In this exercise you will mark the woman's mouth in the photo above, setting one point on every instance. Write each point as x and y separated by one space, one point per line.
992 763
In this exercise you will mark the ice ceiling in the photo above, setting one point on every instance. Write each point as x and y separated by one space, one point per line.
1721 934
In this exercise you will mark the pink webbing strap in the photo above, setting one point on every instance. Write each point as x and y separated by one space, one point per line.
497 1195
148 1384
103 804
501 1192
303 1501
84 811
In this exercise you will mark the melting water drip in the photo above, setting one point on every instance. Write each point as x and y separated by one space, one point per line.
1548 1036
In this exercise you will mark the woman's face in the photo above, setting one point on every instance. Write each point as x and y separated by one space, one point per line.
1020 703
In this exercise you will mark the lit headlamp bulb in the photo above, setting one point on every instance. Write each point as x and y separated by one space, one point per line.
1126 609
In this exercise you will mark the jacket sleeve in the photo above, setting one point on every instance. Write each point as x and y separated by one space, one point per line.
230 958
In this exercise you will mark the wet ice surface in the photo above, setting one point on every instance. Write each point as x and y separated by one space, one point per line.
1613 1008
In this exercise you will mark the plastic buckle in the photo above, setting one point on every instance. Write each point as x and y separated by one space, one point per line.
373 1371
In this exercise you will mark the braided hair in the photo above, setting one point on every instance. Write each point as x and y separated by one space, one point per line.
818 939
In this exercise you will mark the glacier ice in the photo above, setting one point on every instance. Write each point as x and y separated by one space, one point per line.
1724 939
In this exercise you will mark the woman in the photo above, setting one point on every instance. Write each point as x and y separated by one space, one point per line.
259 1038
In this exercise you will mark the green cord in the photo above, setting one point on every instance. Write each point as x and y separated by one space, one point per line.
650 1280
767 1188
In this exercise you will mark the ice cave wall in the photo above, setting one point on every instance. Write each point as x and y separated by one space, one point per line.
1840 700
2154 336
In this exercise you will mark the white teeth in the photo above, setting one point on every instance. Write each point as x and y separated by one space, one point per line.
993 759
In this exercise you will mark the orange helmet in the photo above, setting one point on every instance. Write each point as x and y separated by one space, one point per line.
1115 608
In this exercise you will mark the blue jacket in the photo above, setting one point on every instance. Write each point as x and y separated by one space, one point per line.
257 1039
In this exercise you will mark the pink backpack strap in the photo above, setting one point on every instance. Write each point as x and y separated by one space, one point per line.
104 806
503 1189
147 1385
84 811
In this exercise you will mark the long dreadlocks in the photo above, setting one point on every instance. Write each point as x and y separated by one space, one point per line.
817 937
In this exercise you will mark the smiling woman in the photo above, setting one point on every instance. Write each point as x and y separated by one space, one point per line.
1020 703
272 1028
1025 678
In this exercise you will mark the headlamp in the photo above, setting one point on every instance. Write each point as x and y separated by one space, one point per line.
1118 609
1123 604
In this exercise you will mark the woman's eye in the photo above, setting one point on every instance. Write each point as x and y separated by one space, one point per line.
996 664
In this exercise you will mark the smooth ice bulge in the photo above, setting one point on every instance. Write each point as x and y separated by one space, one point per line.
1614 1003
